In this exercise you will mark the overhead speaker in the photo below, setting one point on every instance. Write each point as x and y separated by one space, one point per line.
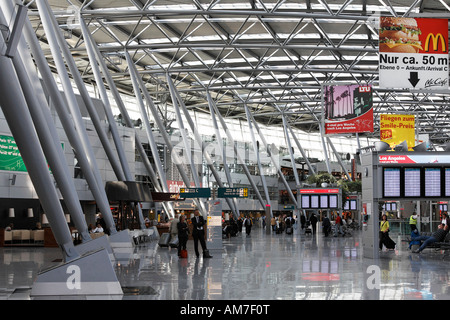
402 146
382 146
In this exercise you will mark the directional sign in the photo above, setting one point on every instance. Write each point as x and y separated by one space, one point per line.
413 53
195 192
232 193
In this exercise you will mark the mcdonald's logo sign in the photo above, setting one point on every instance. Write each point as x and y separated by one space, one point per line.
434 39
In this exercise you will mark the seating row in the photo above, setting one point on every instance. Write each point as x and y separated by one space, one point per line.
22 236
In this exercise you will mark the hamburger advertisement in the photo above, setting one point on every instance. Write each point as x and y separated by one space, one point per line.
413 53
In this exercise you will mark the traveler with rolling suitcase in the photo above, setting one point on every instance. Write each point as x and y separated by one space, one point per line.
183 233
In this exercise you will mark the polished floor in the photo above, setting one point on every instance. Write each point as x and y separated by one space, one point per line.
256 267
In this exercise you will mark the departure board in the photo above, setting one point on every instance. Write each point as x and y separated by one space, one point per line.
391 182
333 201
305 202
315 202
412 182
390 206
324 201
447 182
432 182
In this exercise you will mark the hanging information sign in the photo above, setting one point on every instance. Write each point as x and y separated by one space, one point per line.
413 53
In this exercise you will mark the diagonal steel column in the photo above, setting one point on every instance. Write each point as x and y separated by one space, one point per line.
19 121
160 124
150 136
339 159
123 110
280 174
294 165
106 104
51 145
244 166
223 152
198 139
258 160
93 51
87 100
302 151
291 153
187 145
74 126
40 113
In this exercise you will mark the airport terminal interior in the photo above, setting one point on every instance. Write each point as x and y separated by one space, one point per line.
281 135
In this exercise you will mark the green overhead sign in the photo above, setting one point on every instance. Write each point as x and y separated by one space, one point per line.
232 193
195 192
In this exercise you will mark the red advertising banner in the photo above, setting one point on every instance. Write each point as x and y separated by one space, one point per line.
348 109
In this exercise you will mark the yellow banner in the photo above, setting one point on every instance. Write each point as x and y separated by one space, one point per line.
394 129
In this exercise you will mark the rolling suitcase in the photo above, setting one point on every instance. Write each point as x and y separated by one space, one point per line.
183 254
174 242
289 230
164 240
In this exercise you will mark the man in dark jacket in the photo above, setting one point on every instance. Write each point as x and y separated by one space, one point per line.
326 224
198 233
313 220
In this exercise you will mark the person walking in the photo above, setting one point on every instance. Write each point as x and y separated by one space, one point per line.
326 225
173 226
384 234
198 233
313 221
248 225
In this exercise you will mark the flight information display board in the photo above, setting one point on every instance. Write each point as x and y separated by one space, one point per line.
305 202
416 182
320 198
447 182
315 202
333 201
351 205
324 201
432 182
391 182
412 182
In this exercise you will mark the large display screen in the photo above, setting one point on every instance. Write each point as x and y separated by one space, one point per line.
324 201
333 201
432 182
416 182
314 202
447 182
391 182
412 182
305 202
320 201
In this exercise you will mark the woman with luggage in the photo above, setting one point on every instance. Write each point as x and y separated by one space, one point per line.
183 233
384 234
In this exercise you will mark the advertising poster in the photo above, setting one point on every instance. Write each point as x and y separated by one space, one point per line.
413 53
347 109
394 129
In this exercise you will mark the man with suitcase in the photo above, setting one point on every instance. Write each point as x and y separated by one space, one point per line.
198 233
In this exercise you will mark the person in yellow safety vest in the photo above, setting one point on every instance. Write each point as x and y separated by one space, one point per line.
413 221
